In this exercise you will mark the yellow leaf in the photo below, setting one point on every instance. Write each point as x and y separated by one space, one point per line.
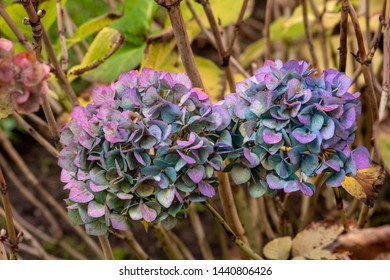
366 184
6 105
145 224
278 249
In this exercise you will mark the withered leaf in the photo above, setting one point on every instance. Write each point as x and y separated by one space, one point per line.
278 248
309 243
364 244
366 185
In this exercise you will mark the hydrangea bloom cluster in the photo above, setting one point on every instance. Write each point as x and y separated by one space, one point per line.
143 146
23 80
290 125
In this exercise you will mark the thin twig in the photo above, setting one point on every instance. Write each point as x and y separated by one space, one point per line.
14 179
181 245
169 247
200 233
11 232
340 207
224 56
343 36
362 54
211 39
35 134
321 33
36 26
244 248
309 36
133 243
106 247
237 26
34 182
15 29
386 65
264 221
267 27
229 207
183 43
61 33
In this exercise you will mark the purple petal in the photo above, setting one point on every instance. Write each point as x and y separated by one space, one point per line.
102 94
274 182
303 136
349 118
271 136
95 210
96 188
336 179
361 157
186 158
206 189
148 77
148 213
119 222
190 141
196 174
79 193
328 129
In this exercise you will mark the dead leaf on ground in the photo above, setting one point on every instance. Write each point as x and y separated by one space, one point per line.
278 248
364 244
366 185
310 242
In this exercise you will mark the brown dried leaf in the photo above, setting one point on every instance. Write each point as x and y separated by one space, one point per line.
278 249
366 185
309 242
364 244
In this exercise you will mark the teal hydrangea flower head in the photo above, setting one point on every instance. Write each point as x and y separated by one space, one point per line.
140 150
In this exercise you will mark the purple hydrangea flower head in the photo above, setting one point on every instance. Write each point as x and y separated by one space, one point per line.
290 124
141 149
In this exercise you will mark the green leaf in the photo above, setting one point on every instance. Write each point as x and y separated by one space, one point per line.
257 189
98 227
18 13
125 59
240 174
92 26
252 52
136 20
103 46
278 249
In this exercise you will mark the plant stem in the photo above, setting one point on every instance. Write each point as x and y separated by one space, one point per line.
38 137
168 246
34 182
309 36
343 36
229 206
183 43
372 100
183 248
223 54
11 232
264 221
15 29
51 122
133 243
61 33
237 26
244 248
211 39
321 33
200 233
386 64
268 18
340 207
363 216
14 179
106 247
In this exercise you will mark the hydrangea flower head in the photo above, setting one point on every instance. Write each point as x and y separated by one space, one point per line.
140 149
290 124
